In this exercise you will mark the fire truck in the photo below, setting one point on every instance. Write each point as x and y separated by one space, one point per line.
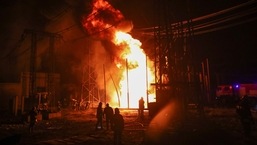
237 90
231 94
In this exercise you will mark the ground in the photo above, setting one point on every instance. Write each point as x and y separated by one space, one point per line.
218 126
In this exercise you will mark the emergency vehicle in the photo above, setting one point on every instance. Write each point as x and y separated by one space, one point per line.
237 90
229 95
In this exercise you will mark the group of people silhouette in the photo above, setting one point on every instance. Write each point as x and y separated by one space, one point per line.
114 121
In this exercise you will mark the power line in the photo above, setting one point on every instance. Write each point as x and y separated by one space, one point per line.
213 22
16 46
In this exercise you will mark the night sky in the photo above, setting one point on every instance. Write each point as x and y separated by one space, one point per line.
231 51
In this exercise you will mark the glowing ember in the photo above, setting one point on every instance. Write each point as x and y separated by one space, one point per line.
136 69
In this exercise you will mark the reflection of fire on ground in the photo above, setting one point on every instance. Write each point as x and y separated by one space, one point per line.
129 72
161 122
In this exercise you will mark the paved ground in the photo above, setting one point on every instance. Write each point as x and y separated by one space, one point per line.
218 127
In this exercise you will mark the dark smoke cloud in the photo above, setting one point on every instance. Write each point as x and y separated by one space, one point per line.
71 50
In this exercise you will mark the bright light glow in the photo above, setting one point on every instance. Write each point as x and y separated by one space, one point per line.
134 77
162 121
136 69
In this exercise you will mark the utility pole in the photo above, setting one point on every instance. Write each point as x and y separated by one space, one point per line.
35 35
174 64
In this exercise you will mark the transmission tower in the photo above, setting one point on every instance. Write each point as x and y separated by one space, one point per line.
35 35
174 64
89 89
164 57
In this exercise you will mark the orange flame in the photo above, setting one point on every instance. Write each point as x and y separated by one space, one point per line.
135 81
102 17
136 69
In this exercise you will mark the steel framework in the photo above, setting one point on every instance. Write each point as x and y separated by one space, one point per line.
89 89
174 64
50 89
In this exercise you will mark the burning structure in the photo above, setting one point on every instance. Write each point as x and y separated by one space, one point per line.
128 71
168 74
93 47
113 66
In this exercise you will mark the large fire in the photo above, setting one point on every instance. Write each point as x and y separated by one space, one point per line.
136 73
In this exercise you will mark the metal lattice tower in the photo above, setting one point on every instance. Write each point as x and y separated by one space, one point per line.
175 60
163 48
174 65
89 89
35 35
